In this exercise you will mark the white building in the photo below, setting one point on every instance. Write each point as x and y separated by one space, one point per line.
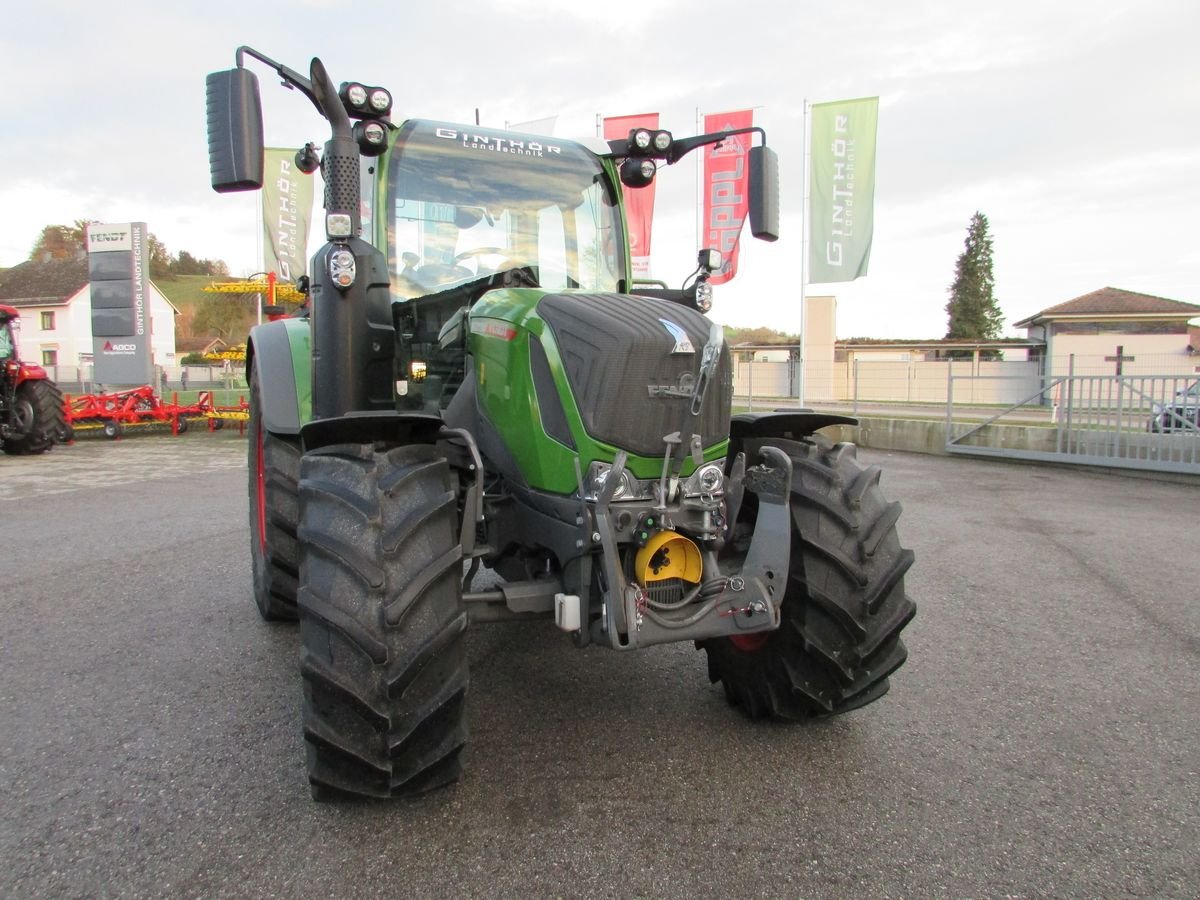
55 302
1111 331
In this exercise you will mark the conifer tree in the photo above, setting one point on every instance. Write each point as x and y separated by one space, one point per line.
973 311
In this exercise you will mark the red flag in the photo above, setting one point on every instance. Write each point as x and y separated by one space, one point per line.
639 203
726 188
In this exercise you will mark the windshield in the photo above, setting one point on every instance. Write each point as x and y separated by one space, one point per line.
463 204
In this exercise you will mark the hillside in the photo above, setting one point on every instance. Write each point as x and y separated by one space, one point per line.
187 293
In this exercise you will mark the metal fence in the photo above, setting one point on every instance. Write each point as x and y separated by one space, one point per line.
81 379
1126 421
910 379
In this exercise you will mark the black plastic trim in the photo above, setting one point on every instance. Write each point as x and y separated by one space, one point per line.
554 417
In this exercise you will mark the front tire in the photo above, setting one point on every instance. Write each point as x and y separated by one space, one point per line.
844 607
381 621
274 466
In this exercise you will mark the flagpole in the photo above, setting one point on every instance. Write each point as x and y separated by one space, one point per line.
803 256
262 251
699 160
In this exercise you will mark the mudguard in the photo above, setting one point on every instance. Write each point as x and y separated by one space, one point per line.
786 423
281 354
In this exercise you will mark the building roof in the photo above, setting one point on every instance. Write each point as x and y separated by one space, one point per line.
198 344
1108 302
50 283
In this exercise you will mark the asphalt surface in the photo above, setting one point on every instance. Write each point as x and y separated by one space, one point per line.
1042 741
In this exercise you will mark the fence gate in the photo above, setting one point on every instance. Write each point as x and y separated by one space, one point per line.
1124 421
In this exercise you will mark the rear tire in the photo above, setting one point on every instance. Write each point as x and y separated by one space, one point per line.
40 412
381 621
845 605
274 467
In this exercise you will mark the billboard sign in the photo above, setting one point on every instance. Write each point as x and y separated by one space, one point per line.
119 276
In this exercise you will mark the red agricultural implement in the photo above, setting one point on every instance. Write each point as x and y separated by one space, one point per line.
116 411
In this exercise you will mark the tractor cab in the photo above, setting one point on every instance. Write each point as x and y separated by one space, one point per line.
460 204
465 212
8 341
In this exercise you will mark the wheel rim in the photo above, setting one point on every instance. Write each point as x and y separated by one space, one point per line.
749 643
23 412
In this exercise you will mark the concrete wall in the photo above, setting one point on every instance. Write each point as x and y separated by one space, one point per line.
911 381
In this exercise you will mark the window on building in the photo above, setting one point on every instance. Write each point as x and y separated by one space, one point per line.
47 321
49 357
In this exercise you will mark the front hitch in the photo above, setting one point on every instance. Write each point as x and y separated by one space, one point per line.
722 605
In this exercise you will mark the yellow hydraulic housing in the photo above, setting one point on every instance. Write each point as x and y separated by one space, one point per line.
668 555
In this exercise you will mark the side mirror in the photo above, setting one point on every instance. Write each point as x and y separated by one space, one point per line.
235 131
764 193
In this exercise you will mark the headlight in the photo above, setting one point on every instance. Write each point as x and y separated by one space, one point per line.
381 100
371 137
662 140
341 268
641 139
338 225
648 169
704 296
708 479
357 95
597 478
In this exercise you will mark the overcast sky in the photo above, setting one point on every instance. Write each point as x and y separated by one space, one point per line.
1074 126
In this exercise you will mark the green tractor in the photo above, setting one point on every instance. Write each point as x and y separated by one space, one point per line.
478 381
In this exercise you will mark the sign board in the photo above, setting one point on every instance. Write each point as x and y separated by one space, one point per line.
119 275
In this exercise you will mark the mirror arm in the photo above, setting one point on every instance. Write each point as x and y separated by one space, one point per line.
682 146
291 78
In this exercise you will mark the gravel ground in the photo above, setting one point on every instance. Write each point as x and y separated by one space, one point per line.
1041 741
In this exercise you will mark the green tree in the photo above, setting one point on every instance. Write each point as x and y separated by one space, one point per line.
160 259
974 314
186 264
61 241
758 335
227 316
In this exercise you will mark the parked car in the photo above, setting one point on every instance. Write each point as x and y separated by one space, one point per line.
1181 414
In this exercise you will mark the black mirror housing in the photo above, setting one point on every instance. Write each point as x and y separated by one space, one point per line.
764 193
235 131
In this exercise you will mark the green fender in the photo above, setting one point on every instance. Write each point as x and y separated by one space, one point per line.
280 353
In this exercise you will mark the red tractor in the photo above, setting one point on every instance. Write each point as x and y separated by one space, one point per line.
31 405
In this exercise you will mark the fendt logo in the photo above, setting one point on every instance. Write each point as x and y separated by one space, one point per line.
119 349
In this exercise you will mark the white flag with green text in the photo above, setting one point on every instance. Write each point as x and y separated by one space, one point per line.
842 189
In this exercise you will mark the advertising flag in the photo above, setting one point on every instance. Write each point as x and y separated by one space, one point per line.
842 189
287 198
726 188
639 202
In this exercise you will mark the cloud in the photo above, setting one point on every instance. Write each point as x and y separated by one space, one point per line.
1072 126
